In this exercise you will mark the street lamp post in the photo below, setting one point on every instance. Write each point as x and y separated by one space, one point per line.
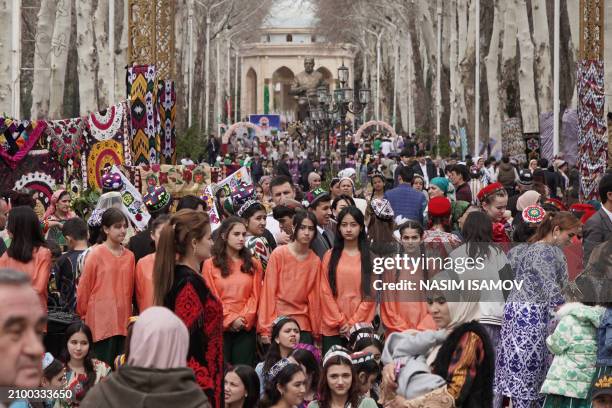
343 102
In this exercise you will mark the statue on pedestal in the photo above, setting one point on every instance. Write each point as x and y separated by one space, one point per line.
305 86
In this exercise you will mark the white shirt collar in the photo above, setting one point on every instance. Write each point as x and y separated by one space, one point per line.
607 212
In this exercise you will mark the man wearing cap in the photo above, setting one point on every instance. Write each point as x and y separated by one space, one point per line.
404 162
319 203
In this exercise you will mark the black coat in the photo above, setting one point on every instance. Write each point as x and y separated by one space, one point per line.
431 169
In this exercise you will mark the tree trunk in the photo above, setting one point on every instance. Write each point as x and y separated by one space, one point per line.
529 107
543 62
466 67
454 75
59 57
42 59
181 50
573 14
492 66
87 66
104 74
121 50
509 62
6 34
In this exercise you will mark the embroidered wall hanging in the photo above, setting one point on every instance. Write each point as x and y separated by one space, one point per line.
167 116
143 114
66 140
100 156
105 125
592 139
17 138
513 144
532 145
179 181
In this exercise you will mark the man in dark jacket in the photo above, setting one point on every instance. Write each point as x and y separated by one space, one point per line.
404 162
599 227
424 167
459 176
256 168
406 201
319 203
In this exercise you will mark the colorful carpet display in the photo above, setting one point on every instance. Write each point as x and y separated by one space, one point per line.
143 111
592 140
107 143
513 144
167 117
40 172
532 145
66 140
178 180
17 138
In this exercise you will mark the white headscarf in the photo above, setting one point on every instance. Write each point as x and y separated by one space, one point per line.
159 340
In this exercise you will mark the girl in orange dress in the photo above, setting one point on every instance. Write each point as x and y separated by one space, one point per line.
406 310
234 276
106 287
144 268
345 279
290 285
28 252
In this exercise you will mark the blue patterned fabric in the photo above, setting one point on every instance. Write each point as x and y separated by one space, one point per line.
523 358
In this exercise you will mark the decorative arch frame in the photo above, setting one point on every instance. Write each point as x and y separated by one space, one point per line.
371 123
232 128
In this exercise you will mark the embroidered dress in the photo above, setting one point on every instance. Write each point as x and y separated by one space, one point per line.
76 383
192 301
260 248
523 358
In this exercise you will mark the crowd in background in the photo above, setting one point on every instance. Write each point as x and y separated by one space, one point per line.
280 305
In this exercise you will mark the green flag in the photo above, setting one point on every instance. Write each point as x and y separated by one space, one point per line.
266 100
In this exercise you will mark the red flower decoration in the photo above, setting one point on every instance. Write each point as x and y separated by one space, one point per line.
163 178
187 175
138 217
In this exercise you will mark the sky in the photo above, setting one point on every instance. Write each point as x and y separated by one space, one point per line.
290 13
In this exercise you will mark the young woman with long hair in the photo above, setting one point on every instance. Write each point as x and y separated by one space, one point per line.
290 285
58 212
378 182
522 358
339 203
234 276
285 386
406 310
339 385
28 252
345 279
83 371
183 244
241 387
309 357
285 336
254 215
367 371
144 267
106 287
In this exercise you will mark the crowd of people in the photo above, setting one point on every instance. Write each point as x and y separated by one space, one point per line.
290 300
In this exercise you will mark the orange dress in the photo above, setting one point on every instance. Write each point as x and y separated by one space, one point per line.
38 269
349 305
239 292
404 310
144 282
104 294
289 289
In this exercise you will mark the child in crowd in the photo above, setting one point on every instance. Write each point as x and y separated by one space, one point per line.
69 265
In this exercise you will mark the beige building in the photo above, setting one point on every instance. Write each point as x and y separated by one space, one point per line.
277 57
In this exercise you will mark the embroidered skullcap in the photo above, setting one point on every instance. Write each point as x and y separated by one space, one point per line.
603 386
111 181
382 208
314 196
244 207
361 357
557 203
361 326
489 190
364 335
336 353
534 214
279 319
157 198
378 174
312 349
277 368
